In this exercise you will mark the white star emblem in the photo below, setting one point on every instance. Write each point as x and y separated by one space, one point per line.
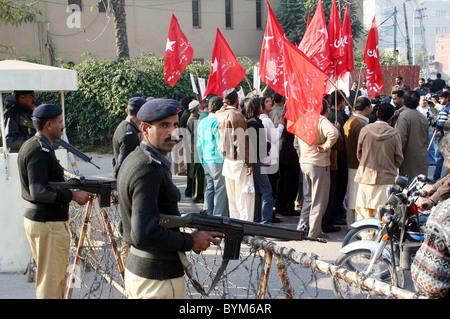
266 44
169 45
215 65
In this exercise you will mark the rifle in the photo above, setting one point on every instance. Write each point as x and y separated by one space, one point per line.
101 187
234 230
75 151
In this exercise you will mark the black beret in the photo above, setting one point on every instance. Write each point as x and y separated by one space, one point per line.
47 111
137 101
158 109
10 98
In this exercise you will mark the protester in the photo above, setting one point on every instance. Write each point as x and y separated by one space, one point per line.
413 129
258 142
208 147
352 128
315 165
422 89
444 99
429 270
377 170
237 168
196 172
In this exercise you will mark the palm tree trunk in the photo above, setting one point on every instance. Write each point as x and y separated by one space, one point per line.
120 29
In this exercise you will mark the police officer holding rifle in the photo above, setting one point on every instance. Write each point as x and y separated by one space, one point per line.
154 266
46 215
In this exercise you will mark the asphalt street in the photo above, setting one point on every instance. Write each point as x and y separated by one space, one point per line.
15 286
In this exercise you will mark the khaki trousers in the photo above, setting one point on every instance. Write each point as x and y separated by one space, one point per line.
143 288
50 245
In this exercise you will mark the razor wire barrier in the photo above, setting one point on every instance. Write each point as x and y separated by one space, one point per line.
265 270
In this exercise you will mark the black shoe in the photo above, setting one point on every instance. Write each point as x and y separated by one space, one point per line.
276 220
198 201
331 229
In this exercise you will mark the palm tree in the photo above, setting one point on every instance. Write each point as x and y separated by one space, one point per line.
120 29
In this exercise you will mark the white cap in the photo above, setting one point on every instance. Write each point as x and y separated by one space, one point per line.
193 104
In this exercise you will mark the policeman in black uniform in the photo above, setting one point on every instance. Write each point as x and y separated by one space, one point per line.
154 266
127 135
46 214
18 123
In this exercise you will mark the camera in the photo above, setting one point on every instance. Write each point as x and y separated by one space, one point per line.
381 99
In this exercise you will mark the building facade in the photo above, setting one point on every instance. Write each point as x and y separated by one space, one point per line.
69 28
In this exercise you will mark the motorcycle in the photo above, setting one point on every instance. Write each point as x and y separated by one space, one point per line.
398 237
369 227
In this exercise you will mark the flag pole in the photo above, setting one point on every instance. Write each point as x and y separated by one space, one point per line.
335 91
335 86
248 83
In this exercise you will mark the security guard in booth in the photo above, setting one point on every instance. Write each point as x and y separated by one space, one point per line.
154 265
18 123
46 214
127 135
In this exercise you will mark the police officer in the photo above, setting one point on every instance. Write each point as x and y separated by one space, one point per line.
46 214
18 124
153 266
127 135
10 100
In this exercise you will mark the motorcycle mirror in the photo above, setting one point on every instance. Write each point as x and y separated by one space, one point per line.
401 181
392 200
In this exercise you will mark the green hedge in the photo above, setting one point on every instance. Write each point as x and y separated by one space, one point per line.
105 86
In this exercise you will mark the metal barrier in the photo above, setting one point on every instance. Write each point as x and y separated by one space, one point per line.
97 267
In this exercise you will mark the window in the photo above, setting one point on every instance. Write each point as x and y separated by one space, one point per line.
258 14
196 13
102 5
77 2
229 14
442 29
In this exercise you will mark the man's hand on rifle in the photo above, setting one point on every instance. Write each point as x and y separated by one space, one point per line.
81 197
203 239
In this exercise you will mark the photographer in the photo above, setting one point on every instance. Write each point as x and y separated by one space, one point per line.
440 125
425 109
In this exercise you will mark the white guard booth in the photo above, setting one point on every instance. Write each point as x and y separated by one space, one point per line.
15 252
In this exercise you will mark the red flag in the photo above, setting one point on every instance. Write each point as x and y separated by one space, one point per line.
226 72
314 43
304 93
271 58
179 53
347 36
335 34
374 76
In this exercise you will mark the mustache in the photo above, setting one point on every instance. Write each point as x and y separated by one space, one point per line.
174 138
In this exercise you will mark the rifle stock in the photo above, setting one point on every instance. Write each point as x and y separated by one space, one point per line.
103 188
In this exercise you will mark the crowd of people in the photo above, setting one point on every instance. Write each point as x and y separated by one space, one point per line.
240 161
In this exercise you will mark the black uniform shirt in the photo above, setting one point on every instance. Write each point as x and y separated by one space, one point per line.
38 165
18 127
146 190
126 138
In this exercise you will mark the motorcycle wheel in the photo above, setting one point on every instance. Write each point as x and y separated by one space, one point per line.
358 261
365 232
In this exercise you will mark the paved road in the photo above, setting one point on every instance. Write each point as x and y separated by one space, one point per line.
15 286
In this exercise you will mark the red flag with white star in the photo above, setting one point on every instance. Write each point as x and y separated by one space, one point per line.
226 72
179 53
304 87
271 58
